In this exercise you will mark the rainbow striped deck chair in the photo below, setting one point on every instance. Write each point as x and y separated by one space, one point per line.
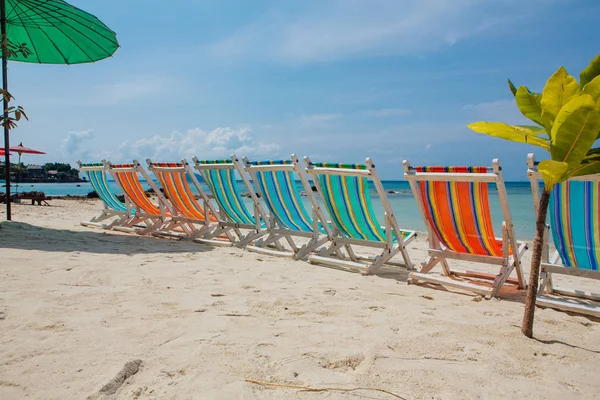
197 220
114 208
147 217
220 177
344 189
454 203
276 181
574 214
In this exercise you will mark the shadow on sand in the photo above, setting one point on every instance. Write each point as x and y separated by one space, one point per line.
18 235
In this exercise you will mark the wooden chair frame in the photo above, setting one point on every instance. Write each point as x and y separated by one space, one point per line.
334 255
117 216
277 229
437 253
151 222
246 233
199 229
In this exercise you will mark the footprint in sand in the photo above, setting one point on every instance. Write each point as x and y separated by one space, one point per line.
343 364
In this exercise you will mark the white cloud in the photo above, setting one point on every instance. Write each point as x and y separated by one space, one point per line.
326 30
74 145
499 110
387 112
136 87
320 118
218 143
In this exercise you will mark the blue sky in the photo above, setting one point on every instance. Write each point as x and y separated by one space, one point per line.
338 80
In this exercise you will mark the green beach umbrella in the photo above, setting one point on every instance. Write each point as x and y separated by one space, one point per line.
48 32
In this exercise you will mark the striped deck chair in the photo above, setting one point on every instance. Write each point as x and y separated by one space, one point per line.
344 189
114 208
574 213
454 203
289 219
196 219
219 176
147 217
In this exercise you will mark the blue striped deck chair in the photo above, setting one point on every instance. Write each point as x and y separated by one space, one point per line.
276 181
454 202
114 209
574 214
148 217
344 189
233 214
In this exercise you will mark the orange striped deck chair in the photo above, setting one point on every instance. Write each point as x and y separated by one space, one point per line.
147 217
454 203
199 218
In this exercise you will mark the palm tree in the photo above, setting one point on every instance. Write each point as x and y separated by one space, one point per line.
567 123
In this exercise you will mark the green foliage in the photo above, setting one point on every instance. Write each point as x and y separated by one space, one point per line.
513 133
574 131
559 90
14 113
530 104
567 123
60 167
592 71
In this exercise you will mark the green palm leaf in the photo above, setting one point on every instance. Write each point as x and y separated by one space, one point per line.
575 130
510 132
559 90
530 104
590 72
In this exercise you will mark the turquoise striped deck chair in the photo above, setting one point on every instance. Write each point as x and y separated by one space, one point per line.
344 189
114 209
276 181
574 226
233 214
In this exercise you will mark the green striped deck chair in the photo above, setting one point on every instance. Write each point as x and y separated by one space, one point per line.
115 211
233 214
276 181
574 214
344 189
454 204
148 217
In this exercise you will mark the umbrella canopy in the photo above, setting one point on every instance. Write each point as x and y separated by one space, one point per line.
48 32
55 32
24 150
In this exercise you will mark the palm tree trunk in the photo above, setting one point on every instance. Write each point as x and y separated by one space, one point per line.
536 260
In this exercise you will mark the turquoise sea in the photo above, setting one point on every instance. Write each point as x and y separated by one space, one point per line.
399 195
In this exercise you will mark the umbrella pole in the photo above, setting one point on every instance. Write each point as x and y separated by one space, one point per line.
18 175
5 87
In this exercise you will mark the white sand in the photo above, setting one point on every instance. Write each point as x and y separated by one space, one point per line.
77 303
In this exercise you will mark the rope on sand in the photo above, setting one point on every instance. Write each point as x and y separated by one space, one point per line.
325 389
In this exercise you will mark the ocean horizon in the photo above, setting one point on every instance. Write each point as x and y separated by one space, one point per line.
398 191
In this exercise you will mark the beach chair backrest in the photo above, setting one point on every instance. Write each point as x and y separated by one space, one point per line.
219 176
455 204
575 223
96 174
344 189
173 179
574 214
127 177
277 184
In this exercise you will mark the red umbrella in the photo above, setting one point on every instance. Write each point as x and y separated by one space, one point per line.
22 150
